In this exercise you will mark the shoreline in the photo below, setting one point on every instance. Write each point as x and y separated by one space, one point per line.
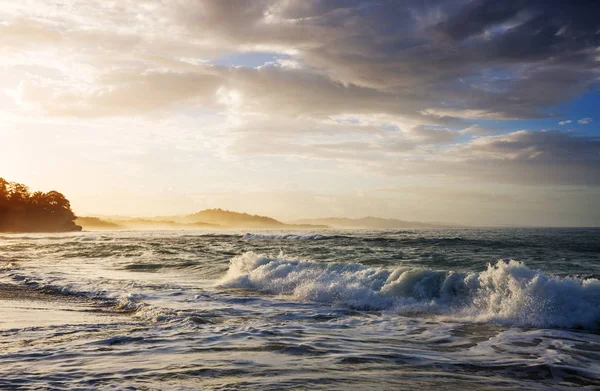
24 307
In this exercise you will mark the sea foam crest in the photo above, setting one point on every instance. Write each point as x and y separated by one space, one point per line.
507 292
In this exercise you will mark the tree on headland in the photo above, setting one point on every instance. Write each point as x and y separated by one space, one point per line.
23 211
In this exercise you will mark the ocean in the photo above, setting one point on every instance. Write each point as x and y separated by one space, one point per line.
423 309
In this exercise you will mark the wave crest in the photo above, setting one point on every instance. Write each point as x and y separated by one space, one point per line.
507 292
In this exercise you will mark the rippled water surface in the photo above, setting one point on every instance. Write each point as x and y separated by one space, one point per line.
412 309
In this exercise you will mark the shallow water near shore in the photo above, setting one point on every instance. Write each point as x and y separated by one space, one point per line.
493 309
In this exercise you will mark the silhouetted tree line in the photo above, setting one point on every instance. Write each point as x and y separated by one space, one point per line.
22 211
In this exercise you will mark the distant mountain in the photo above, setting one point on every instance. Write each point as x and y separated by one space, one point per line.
205 219
370 222
226 219
164 224
96 224
108 224
231 219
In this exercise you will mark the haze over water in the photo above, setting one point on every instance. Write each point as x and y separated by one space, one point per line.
294 310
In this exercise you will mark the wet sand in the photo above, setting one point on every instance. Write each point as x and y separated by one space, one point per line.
23 307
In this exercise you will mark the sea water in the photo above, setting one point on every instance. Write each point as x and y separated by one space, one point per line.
333 310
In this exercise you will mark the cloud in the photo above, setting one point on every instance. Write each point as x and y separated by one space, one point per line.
304 138
526 158
412 77
468 59
119 93
584 121
524 145
475 130
531 158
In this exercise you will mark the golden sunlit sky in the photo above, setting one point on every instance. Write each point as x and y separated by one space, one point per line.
473 112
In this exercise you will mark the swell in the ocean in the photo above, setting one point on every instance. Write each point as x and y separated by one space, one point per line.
402 239
507 292
288 237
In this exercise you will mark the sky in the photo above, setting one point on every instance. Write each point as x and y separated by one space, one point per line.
476 112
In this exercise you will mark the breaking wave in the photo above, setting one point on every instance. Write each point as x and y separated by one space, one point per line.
507 292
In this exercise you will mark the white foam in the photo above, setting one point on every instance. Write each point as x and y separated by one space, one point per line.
144 311
507 292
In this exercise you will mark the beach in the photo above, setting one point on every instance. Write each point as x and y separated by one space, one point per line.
26 308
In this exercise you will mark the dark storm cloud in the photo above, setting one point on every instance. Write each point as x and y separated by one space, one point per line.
528 158
547 23
457 53
454 56
479 58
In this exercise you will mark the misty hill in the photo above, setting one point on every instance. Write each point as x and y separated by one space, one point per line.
23 211
369 222
226 219
205 219
164 224
231 219
108 224
94 223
